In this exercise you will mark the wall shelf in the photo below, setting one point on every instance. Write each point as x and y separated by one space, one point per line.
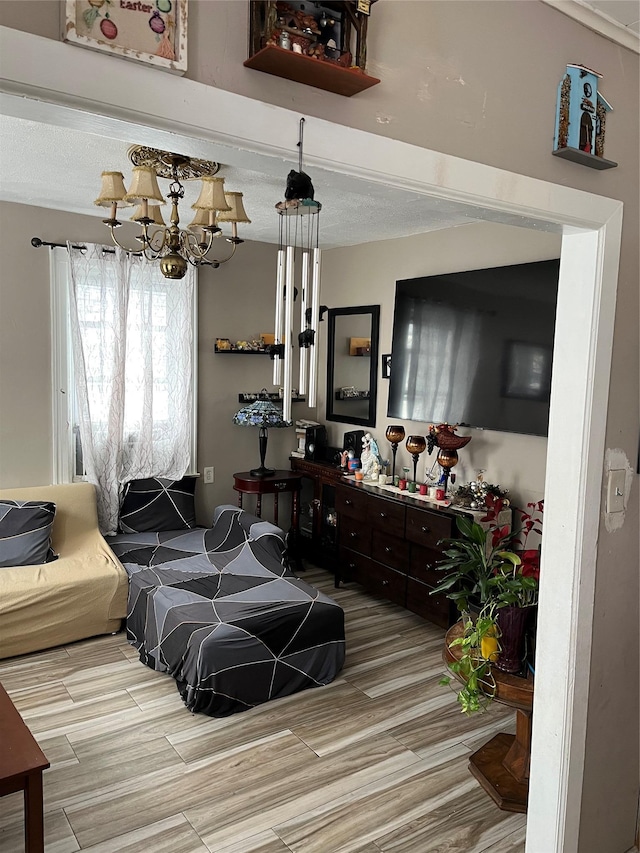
312 72
240 351
273 396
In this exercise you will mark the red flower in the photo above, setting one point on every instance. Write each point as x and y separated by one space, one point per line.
499 533
530 566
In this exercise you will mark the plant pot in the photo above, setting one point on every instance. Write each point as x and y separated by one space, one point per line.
512 622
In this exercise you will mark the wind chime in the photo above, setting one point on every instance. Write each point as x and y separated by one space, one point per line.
297 250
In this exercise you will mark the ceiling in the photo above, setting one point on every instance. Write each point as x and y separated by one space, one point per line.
37 170
625 13
63 173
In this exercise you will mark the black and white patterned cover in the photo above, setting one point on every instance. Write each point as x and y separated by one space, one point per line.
219 611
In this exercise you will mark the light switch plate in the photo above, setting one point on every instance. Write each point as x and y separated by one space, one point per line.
615 491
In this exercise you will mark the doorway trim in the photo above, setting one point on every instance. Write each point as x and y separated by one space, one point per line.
78 89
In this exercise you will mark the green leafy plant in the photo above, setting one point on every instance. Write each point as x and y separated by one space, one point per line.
473 670
491 568
472 559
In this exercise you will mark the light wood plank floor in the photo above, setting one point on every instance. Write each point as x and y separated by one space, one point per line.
376 761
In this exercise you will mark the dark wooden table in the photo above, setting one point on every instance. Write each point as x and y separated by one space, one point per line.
21 765
274 484
502 764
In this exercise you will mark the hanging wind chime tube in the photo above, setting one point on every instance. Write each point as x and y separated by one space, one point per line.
304 290
288 330
315 319
299 235
277 361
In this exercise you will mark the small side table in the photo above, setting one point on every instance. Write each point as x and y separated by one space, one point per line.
502 765
21 765
274 484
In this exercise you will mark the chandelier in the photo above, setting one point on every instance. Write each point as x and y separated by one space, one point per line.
173 246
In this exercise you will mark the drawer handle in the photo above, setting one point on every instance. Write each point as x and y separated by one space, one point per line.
387 550
348 502
353 534
383 515
280 486
425 529
385 583
352 565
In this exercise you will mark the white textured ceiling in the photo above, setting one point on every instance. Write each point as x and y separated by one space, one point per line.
59 168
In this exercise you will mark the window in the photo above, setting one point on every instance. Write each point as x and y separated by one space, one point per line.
68 465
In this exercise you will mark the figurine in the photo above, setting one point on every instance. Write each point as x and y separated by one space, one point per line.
370 457
299 186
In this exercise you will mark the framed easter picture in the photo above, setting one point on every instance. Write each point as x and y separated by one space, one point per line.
149 31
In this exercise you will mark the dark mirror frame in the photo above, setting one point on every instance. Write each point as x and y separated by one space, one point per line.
374 312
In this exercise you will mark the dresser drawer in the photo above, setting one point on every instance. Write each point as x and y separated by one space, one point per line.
375 577
351 502
389 550
355 535
436 608
421 565
427 528
352 566
386 515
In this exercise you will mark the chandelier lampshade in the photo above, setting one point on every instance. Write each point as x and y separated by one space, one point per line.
153 212
262 413
144 186
203 219
211 195
112 191
235 211
173 247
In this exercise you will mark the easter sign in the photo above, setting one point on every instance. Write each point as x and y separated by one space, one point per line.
149 31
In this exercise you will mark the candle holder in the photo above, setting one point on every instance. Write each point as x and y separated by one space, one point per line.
416 444
394 435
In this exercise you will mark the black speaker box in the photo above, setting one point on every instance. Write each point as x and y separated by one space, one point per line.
353 441
332 455
315 442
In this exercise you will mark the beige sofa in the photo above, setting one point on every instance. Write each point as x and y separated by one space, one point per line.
81 594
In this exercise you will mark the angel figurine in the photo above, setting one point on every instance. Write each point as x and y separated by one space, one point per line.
370 457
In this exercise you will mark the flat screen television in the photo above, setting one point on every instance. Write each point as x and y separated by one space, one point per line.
475 348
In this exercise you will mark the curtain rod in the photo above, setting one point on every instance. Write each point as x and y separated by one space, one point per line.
36 242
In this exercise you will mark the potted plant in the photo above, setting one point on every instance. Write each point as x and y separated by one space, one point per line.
492 572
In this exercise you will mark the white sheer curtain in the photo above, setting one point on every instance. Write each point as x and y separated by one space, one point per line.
448 342
131 332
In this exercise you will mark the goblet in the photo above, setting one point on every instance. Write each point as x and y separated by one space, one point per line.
394 434
447 459
416 444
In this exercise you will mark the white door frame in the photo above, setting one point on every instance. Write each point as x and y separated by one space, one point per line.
78 89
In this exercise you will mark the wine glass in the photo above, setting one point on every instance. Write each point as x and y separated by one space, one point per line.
394 434
416 444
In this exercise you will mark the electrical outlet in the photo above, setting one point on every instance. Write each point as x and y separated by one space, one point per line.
209 475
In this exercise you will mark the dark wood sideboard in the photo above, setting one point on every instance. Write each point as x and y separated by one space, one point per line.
387 542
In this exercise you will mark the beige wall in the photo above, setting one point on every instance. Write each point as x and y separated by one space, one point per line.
516 462
476 79
235 301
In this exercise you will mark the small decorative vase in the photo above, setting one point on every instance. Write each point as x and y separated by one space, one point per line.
512 622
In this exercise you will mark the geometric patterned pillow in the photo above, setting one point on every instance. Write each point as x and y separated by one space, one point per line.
25 533
157 504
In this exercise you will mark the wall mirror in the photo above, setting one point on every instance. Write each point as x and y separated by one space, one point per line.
352 364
